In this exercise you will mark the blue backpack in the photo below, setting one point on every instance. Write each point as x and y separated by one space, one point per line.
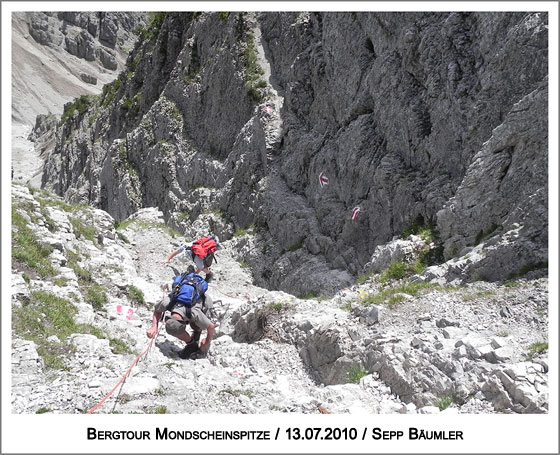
188 289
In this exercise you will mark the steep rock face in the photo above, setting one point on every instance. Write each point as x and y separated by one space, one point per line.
230 119
504 193
87 35
60 55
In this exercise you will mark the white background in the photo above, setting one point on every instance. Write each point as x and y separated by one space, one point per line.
48 433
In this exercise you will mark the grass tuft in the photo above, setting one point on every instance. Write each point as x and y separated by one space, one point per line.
356 373
389 296
444 402
41 316
42 410
96 296
396 270
80 228
27 248
119 346
536 349
237 392
136 295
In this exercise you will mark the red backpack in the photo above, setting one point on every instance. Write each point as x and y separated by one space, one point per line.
204 246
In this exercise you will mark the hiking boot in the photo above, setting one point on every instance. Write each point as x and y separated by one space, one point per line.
197 355
188 350
209 276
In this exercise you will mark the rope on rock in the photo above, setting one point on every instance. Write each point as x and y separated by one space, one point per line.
138 357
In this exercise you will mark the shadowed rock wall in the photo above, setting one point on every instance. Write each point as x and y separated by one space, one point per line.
225 121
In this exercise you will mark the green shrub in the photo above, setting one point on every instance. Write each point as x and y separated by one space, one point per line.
122 237
296 246
237 392
253 93
536 349
274 306
426 231
406 288
394 300
81 104
96 296
418 266
253 71
311 295
51 226
444 402
83 275
363 278
223 16
119 346
356 373
27 248
124 398
90 330
127 103
42 316
136 295
157 410
530 267
151 32
42 410
88 232
396 270
109 92
60 281
135 61
240 233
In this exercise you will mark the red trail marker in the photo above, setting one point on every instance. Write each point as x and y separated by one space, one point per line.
323 179
355 212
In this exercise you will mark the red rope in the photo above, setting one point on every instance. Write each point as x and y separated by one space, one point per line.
129 369
123 378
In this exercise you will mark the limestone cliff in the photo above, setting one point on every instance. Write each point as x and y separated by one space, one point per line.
225 121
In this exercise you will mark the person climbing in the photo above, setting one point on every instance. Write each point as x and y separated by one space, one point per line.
201 252
187 303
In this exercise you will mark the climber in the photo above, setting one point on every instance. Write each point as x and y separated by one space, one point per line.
187 303
202 253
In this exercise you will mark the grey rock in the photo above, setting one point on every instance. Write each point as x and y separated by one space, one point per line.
44 29
108 31
107 58
452 332
445 323
19 286
88 78
369 315
504 354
